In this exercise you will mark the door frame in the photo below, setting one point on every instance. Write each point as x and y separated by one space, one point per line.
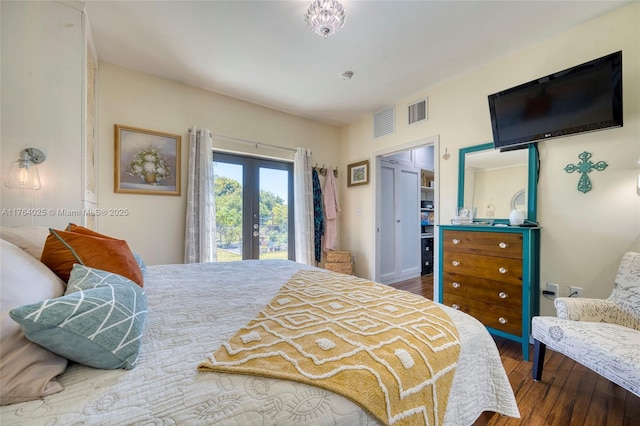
376 158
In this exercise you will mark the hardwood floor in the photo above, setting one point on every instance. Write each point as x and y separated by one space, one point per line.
569 393
422 285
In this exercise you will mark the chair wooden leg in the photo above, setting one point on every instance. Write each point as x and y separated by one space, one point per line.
539 349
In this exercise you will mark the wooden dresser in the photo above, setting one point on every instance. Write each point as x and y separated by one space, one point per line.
492 274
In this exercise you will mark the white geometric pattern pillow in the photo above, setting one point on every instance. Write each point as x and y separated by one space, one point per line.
98 322
85 278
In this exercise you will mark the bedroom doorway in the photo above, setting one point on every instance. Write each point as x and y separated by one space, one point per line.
406 198
254 215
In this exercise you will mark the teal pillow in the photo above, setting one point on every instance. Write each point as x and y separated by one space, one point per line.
98 322
141 264
85 278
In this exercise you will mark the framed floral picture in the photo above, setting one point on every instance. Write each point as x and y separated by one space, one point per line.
358 173
146 161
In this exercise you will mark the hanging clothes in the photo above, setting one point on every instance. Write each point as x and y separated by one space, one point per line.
318 216
331 209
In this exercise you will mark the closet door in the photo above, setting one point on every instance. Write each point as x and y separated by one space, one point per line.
399 222
387 227
408 223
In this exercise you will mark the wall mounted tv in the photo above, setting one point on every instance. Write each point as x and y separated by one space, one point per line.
583 98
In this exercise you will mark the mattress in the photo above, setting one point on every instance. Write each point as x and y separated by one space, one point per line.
193 309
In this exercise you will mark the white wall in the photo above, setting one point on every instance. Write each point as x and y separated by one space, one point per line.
155 224
583 235
43 59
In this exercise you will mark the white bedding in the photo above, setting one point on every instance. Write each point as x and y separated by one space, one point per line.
192 310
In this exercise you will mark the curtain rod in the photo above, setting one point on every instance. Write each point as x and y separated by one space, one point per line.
210 134
248 142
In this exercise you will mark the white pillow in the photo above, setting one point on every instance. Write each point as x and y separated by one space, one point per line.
29 238
27 370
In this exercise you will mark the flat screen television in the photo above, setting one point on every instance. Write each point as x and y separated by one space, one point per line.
583 98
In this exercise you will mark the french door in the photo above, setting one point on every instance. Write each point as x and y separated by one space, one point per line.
254 208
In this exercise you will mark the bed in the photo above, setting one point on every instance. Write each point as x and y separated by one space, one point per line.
192 310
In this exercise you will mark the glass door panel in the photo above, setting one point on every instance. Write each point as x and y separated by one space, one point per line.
228 187
274 217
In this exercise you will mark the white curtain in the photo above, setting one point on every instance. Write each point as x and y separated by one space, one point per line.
303 206
201 210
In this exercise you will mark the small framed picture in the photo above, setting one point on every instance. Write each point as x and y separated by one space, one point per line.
358 173
146 161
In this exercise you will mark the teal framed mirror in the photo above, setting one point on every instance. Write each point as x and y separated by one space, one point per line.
492 183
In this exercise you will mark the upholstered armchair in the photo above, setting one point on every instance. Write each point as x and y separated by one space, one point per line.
602 335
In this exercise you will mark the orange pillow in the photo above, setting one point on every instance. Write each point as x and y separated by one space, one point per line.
63 248
72 227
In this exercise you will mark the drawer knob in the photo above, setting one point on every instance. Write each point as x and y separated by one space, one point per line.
502 320
455 263
503 245
502 270
455 241
456 285
503 295
454 306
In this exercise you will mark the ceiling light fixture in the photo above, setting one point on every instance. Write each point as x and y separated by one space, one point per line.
325 17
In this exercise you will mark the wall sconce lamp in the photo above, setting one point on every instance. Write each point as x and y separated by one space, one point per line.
23 173
446 155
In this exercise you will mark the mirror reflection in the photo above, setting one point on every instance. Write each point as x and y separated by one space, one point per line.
496 182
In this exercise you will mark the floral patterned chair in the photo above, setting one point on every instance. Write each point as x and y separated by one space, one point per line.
601 334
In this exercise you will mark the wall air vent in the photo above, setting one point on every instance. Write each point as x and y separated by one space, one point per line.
417 112
384 122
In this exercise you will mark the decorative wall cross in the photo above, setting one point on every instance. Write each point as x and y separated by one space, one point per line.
584 168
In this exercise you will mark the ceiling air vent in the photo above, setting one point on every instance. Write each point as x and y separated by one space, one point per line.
417 111
384 122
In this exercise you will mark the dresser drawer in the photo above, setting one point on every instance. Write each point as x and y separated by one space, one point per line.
494 316
496 292
486 243
493 268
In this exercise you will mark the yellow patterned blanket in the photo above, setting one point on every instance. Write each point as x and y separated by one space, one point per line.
392 352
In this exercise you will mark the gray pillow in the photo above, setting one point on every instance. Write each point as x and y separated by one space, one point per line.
27 370
98 322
